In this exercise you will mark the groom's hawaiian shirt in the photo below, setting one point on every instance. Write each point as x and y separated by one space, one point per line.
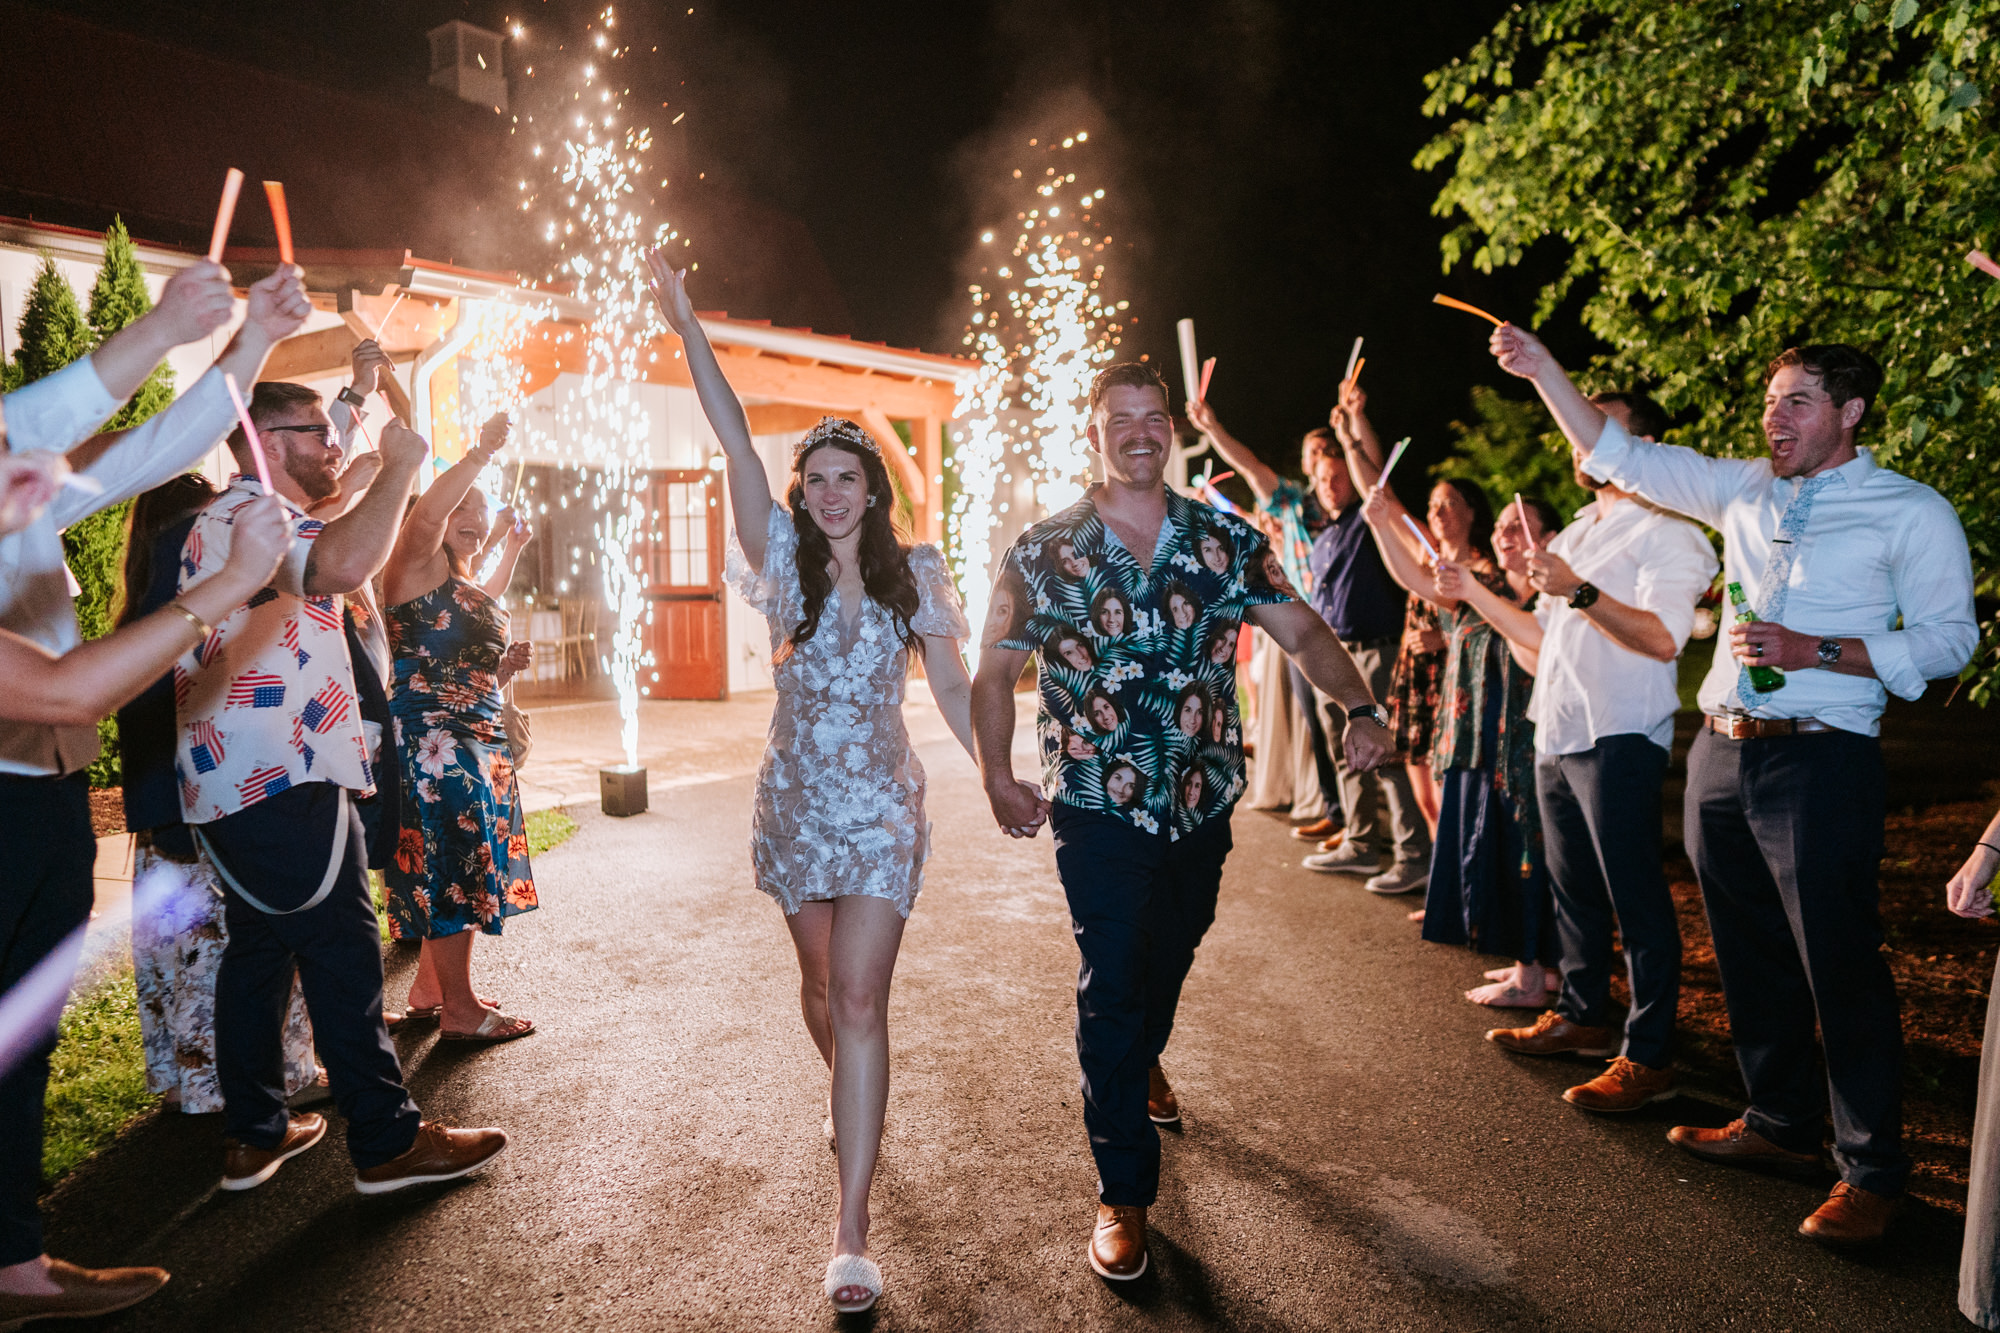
1138 672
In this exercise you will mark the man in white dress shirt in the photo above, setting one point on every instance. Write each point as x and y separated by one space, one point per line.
1619 587
44 797
1862 584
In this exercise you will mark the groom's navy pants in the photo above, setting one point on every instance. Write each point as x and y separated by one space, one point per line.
1139 903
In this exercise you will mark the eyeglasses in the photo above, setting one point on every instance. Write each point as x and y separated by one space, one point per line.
325 433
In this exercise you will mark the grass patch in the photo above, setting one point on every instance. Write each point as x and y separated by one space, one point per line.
549 829
97 1076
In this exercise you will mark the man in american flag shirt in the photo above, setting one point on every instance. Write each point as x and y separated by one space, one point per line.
271 754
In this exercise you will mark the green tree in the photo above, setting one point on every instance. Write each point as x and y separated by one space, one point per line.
1513 446
52 330
119 297
1726 179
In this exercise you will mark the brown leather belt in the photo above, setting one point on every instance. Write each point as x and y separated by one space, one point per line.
1740 728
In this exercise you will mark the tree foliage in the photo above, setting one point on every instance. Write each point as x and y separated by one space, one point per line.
116 299
52 330
1724 180
1513 446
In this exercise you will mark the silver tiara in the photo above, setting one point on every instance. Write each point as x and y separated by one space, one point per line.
837 430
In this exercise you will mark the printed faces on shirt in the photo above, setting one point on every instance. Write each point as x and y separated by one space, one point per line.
1138 672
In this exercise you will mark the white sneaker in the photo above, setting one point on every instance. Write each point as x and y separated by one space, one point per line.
1403 877
1346 859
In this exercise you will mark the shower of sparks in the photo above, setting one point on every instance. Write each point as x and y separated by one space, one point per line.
1040 329
597 222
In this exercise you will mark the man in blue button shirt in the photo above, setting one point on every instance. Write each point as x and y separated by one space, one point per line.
1364 607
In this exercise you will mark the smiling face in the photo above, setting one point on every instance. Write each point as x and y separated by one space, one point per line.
1076 747
1193 712
1111 617
1214 554
1122 784
465 531
836 490
1132 432
1332 486
1104 713
1191 789
1072 564
1223 647
309 456
1450 516
1073 652
1182 610
1806 432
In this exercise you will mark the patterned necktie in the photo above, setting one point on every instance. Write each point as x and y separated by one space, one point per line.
1776 583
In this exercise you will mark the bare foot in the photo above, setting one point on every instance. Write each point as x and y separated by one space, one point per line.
1508 995
1417 915
1549 979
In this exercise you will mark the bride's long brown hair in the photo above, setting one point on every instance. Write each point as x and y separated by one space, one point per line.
884 552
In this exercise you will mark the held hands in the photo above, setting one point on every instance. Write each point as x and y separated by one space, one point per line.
1520 352
1367 744
279 305
1767 643
670 290
258 540
1018 807
518 658
1968 892
195 302
1551 574
368 364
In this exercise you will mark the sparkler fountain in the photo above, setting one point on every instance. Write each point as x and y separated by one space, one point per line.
1041 329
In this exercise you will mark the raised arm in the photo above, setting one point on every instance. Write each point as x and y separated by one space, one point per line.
1357 437
195 303
422 534
351 548
1518 625
1254 470
749 487
514 532
1384 514
94 679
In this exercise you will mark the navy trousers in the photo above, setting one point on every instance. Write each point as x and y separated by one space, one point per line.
1786 837
1601 834
1139 904
278 850
45 826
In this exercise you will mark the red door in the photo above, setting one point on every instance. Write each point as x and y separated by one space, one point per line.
682 568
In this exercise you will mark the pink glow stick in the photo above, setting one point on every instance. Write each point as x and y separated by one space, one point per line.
281 218
249 432
1979 261
1207 369
231 184
1421 537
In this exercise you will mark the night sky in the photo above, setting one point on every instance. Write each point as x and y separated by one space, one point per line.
1257 157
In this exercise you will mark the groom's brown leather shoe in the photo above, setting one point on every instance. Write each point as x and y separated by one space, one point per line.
1736 1143
82 1293
1162 1107
1118 1245
1850 1216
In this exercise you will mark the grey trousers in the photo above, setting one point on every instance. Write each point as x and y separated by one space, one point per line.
1979 1262
1392 779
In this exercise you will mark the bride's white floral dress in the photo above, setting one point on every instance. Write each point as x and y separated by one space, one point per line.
840 795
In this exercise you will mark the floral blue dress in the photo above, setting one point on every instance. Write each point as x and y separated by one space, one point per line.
462 861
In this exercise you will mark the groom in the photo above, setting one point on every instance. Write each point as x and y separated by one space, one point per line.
1143 788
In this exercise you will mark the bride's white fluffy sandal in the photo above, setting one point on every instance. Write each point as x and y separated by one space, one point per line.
853 1270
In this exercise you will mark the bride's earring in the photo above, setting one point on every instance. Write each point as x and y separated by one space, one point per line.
871 502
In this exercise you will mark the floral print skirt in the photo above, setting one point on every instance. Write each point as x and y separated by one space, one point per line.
176 952
462 860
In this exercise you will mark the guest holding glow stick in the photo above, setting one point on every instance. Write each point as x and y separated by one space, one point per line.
1619 587
45 813
1489 885
462 865
1862 585
1300 517
272 751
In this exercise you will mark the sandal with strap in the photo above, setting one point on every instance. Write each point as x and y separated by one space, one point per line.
495 1027
432 1013
853 1270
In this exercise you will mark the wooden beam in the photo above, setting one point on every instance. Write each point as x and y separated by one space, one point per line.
391 388
915 484
307 356
781 418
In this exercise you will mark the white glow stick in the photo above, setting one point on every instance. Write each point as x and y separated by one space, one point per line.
1190 366
1390 466
1419 534
1352 357
1521 511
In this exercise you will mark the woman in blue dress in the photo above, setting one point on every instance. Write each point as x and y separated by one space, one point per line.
461 866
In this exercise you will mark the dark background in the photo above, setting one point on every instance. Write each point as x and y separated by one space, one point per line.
1257 157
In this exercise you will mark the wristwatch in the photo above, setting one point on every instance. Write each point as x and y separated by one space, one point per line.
1829 652
351 398
1371 711
1585 594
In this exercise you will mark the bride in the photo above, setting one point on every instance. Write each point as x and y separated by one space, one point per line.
839 837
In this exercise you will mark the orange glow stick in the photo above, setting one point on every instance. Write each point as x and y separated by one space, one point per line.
249 431
231 184
1355 375
281 218
1456 304
1979 261
1207 369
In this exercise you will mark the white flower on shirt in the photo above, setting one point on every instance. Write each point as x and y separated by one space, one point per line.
1187 561
1145 821
435 752
1177 680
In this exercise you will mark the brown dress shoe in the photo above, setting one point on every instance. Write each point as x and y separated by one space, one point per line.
1162 1107
1553 1034
1316 830
1850 1216
1737 1142
1333 840
245 1167
1626 1086
1118 1245
85 1292
440 1153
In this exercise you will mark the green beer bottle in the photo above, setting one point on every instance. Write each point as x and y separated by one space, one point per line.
1764 678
